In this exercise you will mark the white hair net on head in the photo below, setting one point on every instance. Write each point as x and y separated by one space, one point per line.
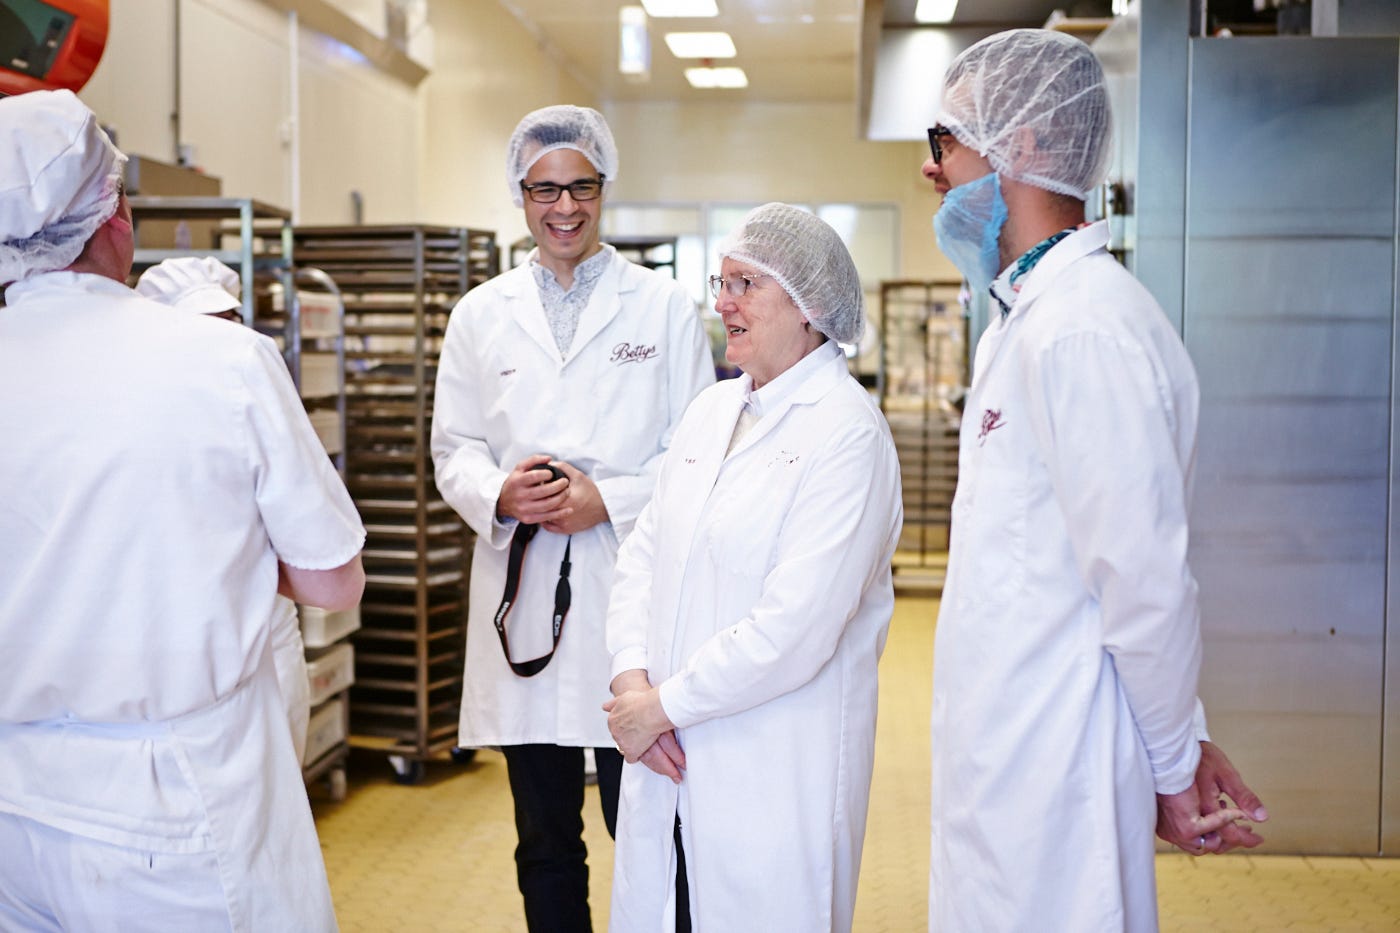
58 181
581 129
1038 80
807 258
199 284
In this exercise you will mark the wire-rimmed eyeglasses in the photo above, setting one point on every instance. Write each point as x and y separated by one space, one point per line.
736 285
934 146
547 192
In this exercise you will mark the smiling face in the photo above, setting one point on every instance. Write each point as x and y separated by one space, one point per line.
567 230
765 333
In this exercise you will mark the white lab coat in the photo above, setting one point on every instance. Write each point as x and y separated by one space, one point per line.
608 408
756 592
1068 643
156 466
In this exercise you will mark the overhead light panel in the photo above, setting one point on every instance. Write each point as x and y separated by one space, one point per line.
634 45
707 78
935 11
692 8
700 44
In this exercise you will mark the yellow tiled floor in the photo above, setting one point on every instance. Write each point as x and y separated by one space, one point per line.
437 857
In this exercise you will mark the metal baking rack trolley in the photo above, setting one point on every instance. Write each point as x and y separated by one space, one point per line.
399 283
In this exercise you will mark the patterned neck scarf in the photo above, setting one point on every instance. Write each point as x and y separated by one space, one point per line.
1022 267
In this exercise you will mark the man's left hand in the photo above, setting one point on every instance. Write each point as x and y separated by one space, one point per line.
1197 820
585 500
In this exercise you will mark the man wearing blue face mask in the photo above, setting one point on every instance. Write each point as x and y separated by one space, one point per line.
1065 718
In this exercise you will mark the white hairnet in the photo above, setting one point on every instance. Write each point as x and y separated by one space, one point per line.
581 129
199 284
1038 80
58 181
807 258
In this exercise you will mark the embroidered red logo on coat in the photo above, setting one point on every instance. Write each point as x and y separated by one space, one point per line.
991 420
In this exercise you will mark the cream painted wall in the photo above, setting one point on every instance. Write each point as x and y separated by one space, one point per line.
359 127
774 152
133 88
488 73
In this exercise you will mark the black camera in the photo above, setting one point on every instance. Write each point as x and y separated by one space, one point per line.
553 471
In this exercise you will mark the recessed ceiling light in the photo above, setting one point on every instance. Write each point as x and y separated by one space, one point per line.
935 11
700 44
716 77
695 8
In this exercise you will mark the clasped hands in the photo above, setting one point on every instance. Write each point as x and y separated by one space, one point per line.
640 727
1198 820
564 506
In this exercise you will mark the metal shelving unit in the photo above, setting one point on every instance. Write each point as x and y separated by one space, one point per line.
255 239
399 284
921 380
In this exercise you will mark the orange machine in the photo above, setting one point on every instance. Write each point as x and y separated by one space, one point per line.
50 43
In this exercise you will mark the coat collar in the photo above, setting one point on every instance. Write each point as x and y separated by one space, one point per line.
519 288
1077 245
828 375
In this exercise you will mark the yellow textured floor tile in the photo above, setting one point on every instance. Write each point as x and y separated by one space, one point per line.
439 855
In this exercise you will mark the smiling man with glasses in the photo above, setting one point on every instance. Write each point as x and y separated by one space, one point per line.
560 384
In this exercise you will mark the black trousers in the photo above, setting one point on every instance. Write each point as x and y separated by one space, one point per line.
546 782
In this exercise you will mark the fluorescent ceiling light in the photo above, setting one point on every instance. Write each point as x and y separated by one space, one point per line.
695 8
700 44
716 77
934 11
634 46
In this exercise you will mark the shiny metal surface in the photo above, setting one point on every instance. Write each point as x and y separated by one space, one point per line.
1289 299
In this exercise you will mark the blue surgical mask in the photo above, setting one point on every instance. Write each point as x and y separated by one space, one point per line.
968 226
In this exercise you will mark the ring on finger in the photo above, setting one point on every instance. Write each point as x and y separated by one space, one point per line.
1201 843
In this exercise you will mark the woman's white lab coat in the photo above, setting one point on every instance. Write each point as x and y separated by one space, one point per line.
159 465
608 408
1068 643
756 591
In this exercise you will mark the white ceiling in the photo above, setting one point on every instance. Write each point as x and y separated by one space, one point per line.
792 50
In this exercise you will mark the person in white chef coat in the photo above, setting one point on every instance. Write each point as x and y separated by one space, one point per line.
203 285
1065 719
159 486
582 360
750 609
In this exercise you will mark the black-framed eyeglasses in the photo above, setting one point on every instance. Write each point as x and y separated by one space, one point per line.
736 285
547 192
934 146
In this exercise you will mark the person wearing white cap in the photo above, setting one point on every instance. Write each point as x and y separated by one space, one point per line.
203 285
159 485
750 609
1068 645
580 361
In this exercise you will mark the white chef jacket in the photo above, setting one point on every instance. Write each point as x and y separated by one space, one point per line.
1068 644
608 408
155 469
756 591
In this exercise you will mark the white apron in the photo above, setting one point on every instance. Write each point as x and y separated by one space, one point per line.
756 591
223 779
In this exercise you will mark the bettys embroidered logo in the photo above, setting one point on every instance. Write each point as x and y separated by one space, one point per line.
784 458
991 420
626 353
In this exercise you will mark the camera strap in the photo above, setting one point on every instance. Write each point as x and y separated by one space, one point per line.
562 598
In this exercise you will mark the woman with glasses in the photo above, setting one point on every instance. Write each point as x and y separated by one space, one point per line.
749 610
